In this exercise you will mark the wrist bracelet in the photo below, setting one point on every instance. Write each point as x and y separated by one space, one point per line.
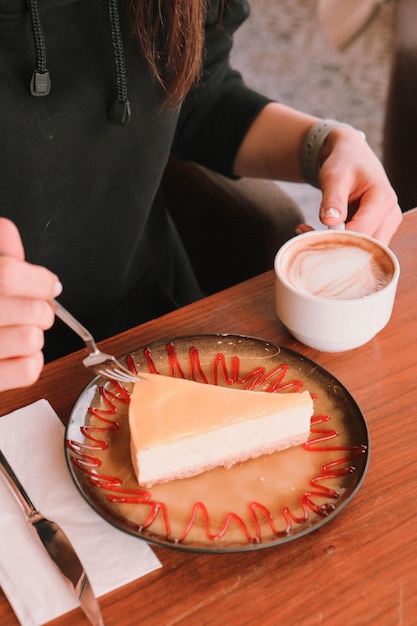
313 144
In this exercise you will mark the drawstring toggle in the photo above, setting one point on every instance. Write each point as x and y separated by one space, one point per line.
40 84
120 112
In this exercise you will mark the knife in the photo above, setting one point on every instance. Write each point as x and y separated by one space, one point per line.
58 547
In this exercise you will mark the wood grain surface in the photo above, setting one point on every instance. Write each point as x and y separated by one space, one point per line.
359 569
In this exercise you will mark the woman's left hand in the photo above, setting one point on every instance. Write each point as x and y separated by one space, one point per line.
355 187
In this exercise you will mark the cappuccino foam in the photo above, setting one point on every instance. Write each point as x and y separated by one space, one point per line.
337 266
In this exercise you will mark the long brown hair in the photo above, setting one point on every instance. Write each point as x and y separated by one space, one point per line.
171 36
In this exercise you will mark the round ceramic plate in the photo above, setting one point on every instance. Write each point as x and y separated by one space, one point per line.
261 503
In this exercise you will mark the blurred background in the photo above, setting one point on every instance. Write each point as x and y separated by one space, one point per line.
295 53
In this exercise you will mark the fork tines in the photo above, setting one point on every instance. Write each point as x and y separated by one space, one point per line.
119 374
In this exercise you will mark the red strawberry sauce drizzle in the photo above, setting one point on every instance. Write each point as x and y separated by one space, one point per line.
84 459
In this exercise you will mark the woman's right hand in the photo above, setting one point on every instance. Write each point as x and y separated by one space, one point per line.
25 312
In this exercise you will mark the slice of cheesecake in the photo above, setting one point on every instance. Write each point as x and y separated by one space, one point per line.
180 428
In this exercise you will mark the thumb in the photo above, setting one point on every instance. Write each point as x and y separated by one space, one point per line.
10 241
335 197
333 207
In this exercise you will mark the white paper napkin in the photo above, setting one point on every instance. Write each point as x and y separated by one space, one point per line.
32 439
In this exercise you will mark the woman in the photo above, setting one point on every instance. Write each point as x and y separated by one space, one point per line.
86 136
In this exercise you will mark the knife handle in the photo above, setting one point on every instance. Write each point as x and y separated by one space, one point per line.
17 487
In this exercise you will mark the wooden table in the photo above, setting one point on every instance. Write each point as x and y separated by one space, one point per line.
359 569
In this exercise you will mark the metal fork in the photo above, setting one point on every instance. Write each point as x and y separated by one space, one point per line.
101 363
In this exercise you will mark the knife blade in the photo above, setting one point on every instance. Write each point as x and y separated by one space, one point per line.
57 545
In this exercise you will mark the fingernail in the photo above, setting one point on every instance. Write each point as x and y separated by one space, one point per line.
58 287
331 212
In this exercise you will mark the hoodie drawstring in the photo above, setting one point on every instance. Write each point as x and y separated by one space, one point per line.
40 84
120 109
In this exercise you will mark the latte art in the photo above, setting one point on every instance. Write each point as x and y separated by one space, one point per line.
335 290
337 268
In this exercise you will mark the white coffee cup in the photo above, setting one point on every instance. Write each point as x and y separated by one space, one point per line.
335 290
